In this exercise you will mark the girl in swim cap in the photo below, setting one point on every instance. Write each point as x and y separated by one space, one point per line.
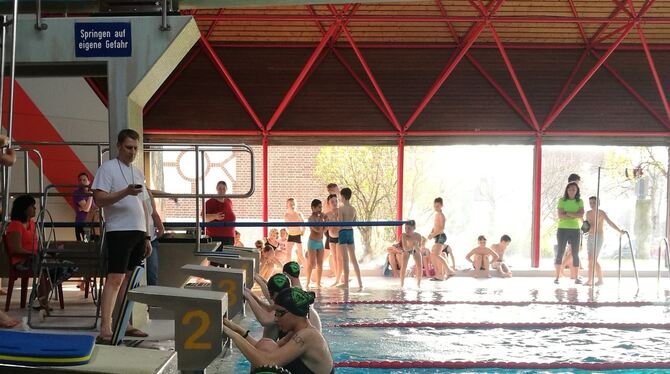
303 350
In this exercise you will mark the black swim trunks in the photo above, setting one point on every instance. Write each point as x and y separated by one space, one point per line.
294 238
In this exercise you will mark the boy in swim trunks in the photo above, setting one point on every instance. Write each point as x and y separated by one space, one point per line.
500 249
315 244
294 232
347 213
333 237
411 246
481 256
437 233
594 242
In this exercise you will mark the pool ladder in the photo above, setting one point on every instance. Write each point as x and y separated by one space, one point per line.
632 256
663 241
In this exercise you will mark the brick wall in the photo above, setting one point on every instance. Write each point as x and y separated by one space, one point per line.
291 174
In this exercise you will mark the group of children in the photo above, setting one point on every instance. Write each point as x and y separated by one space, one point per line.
335 243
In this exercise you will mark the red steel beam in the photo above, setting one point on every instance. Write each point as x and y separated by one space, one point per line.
347 133
211 28
568 82
508 46
371 77
205 132
654 72
613 134
97 90
401 182
515 78
470 133
296 84
433 19
223 71
473 34
482 71
557 111
266 176
537 202
170 81
573 9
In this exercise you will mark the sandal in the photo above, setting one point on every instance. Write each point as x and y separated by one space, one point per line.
103 340
136 333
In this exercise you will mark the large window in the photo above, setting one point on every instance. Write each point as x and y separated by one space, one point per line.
632 193
487 190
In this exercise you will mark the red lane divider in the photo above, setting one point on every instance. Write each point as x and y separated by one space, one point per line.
591 366
592 304
508 325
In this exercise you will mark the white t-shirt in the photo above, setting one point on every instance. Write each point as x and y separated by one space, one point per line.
126 214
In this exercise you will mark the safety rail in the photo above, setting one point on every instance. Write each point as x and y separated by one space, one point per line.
667 258
632 256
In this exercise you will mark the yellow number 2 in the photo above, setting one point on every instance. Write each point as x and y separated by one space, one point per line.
229 285
191 342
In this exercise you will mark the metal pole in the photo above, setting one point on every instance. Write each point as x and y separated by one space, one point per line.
265 184
26 171
401 181
39 25
164 23
632 256
631 250
596 238
202 185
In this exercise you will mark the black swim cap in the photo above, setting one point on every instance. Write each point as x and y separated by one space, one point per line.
295 300
278 282
292 268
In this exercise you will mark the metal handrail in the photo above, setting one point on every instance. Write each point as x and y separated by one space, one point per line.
632 256
667 258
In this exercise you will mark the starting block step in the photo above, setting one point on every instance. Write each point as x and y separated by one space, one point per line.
228 280
198 321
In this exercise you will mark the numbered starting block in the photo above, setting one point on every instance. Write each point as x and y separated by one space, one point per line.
244 252
198 321
235 262
230 281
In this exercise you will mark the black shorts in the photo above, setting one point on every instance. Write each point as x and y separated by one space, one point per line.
125 250
327 246
294 239
333 240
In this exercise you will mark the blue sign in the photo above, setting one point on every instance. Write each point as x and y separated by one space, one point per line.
102 39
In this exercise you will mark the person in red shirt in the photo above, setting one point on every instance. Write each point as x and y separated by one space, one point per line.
220 209
21 240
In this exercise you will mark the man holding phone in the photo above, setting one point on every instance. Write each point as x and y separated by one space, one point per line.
118 187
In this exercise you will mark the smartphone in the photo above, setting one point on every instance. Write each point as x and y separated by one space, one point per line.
137 186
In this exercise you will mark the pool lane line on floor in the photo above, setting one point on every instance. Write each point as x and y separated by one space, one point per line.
506 325
592 304
590 366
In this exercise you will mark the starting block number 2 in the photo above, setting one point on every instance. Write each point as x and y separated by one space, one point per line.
192 341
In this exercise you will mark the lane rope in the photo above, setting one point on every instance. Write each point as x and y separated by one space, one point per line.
507 325
590 366
592 304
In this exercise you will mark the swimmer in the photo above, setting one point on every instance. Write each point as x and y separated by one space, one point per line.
333 237
292 271
315 244
347 249
303 350
437 233
280 251
333 189
481 255
295 233
263 310
411 242
500 249
594 242
395 258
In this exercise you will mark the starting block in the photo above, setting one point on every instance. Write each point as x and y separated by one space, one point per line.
226 280
244 252
198 321
246 264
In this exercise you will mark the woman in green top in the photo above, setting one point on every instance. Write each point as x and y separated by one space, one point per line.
570 213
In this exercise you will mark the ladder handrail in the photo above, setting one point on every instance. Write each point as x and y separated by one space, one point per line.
632 256
667 258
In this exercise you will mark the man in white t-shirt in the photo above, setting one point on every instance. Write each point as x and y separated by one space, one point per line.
119 188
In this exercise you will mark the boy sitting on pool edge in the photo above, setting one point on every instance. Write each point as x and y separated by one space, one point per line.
481 255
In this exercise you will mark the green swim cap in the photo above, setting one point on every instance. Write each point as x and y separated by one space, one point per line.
292 268
278 282
295 300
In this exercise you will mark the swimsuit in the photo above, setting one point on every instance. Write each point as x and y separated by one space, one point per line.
346 236
298 367
294 238
315 245
440 238
333 240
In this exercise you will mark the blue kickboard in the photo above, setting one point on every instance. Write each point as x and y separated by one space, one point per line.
40 349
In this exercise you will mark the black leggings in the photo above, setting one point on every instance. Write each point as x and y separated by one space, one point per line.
565 236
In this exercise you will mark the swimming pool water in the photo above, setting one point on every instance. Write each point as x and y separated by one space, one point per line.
570 344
